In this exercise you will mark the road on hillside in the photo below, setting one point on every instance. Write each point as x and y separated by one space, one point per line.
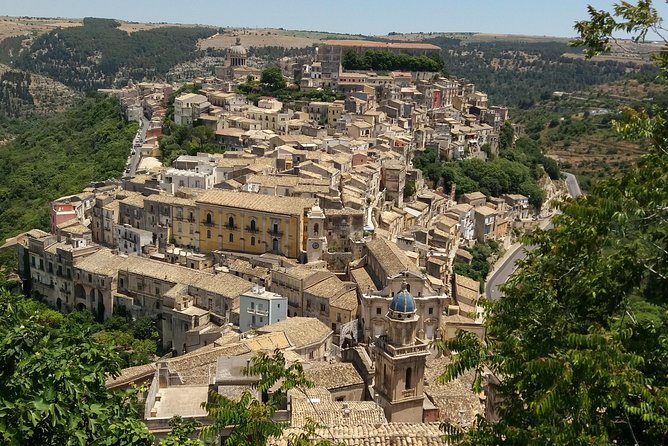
501 274
136 157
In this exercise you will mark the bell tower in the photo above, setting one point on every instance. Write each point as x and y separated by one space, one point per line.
317 242
400 362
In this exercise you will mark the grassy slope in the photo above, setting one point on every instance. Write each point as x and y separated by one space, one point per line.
60 156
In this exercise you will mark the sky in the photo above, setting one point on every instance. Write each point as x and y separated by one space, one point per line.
369 17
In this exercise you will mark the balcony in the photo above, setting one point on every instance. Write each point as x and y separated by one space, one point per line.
231 227
274 233
207 223
258 312
252 230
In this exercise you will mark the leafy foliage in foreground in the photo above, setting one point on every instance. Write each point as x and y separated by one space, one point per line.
52 382
60 156
251 418
580 340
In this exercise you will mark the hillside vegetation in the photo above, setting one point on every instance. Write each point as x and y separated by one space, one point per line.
521 73
59 156
99 54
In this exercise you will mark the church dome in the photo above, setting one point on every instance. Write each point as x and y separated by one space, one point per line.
403 302
237 50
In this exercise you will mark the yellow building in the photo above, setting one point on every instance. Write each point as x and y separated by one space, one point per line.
252 223
185 224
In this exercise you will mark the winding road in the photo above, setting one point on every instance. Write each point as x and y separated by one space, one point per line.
501 273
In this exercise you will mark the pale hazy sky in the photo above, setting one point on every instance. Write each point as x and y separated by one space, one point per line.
536 17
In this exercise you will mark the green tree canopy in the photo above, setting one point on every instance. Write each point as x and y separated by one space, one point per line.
273 78
579 343
52 382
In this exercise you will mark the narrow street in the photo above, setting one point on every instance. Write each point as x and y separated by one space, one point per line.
135 152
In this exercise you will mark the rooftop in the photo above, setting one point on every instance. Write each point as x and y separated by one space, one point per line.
363 280
257 202
390 257
386 45
332 376
388 434
454 396
346 301
300 331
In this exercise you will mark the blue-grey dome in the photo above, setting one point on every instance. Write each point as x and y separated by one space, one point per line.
403 302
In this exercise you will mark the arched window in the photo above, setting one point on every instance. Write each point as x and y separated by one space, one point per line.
231 238
252 241
409 378
253 225
316 229
230 222
208 233
208 218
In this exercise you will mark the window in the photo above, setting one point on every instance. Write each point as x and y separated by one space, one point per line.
252 241
377 310
253 225
208 233
308 304
231 238
316 229
32 261
278 305
121 282
409 377
90 278
322 307
253 320
338 317
252 305
431 310
208 218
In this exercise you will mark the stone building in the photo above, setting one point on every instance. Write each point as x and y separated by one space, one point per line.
400 362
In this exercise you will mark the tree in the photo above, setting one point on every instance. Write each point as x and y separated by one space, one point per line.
409 189
506 137
52 383
273 78
580 340
251 418
182 432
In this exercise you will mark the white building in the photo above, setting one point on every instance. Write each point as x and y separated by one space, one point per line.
189 107
131 240
259 307
203 177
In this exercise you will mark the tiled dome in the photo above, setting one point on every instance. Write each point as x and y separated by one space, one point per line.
403 302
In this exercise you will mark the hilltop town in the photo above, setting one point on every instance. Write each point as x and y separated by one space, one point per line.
306 229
